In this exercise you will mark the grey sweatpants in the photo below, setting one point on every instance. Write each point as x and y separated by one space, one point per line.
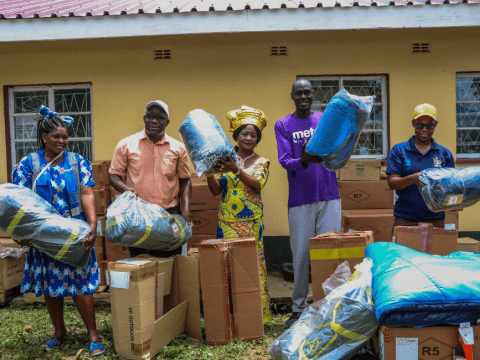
305 222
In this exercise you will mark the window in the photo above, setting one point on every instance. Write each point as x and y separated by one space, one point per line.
373 140
71 100
468 115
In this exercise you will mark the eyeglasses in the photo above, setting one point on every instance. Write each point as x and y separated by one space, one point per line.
150 117
429 126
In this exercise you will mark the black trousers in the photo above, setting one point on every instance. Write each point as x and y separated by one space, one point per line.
159 253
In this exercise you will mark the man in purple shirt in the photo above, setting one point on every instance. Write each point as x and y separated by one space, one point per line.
314 201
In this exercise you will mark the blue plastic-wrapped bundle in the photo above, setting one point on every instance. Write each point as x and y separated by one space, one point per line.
24 215
450 188
135 222
205 140
415 289
335 327
339 128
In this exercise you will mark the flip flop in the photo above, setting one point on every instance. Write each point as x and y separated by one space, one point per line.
96 348
51 344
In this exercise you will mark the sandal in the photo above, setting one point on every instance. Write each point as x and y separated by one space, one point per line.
96 348
51 344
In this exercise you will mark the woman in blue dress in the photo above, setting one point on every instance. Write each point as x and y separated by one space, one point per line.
64 180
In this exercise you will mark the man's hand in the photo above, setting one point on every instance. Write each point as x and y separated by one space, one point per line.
416 180
187 216
307 158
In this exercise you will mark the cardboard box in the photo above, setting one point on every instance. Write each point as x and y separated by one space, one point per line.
426 343
195 240
114 252
100 173
360 169
136 333
380 221
3 234
230 268
202 198
451 219
100 249
132 295
427 238
365 195
205 222
328 251
101 225
9 242
164 265
468 244
11 272
102 200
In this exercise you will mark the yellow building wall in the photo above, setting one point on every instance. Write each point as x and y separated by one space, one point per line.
221 72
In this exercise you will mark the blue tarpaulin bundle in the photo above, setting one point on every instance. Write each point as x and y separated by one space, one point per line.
450 188
135 222
415 289
25 215
205 140
335 327
339 128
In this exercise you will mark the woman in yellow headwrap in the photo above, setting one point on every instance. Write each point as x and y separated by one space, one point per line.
241 207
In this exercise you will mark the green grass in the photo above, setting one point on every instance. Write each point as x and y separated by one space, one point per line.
21 342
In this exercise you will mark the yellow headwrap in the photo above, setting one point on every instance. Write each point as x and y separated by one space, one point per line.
246 115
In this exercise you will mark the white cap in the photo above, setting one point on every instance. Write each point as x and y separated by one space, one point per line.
159 103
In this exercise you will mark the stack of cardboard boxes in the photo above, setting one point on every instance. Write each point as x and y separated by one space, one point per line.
367 201
204 210
104 195
11 271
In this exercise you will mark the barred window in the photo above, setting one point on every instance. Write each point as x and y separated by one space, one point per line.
468 115
71 100
373 140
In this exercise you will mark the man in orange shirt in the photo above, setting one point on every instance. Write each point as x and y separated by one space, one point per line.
155 167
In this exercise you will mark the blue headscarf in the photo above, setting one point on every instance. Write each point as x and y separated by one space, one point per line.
47 114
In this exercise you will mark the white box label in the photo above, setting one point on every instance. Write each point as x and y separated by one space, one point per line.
99 228
406 349
381 340
119 279
449 226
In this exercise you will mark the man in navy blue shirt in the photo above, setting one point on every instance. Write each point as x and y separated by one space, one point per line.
405 163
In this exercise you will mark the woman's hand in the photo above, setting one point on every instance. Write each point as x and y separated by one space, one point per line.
24 242
226 165
91 237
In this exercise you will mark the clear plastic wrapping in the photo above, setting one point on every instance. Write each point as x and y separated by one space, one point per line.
339 128
205 141
11 252
335 327
450 188
135 222
341 275
26 215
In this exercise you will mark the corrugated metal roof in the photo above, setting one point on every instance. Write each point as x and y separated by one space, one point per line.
64 8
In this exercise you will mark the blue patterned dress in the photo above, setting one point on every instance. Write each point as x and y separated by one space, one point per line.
43 274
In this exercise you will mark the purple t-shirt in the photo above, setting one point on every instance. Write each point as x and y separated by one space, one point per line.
306 185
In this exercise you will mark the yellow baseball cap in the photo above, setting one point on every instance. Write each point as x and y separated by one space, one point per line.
425 110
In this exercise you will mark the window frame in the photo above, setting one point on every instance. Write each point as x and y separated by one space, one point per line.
385 103
464 158
9 115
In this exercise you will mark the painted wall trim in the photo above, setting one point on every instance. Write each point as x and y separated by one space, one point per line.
333 18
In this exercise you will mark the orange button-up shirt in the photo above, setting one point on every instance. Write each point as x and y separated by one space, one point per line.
152 170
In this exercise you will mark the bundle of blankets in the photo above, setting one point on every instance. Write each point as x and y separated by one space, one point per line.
205 141
339 128
449 188
415 289
334 328
135 222
24 215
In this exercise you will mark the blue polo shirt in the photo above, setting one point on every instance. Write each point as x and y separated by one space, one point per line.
404 159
